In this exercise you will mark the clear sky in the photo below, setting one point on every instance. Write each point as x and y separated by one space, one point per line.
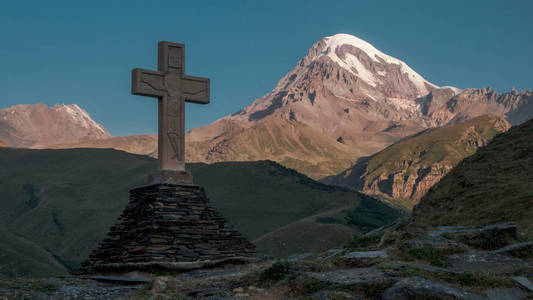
83 51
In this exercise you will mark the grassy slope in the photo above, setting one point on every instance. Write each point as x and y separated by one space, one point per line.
442 145
493 185
65 200
327 229
292 144
19 257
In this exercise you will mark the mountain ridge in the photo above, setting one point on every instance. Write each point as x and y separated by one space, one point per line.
38 125
404 171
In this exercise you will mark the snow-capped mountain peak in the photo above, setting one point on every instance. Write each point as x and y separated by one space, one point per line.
79 116
351 61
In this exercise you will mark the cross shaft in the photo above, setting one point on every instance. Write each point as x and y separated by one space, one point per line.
173 88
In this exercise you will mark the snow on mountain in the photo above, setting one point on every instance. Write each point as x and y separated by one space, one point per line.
351 62
80 116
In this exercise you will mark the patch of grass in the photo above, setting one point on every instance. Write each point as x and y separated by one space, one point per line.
43 287
364 241
432 255
374 290
311 285
483 280
278 271
371 214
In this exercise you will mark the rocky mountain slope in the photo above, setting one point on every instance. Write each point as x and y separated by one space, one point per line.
345 99
493 185
59 206
404 171
38 125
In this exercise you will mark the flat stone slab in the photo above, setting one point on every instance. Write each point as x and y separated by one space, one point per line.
331 253
411 287
486 262
209 274
506 294
435 242
517 250
350 276
298 257
367 254
524 282
488 237
428 268
440 230
122 279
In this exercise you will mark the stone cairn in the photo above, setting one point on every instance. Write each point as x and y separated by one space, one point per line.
167 226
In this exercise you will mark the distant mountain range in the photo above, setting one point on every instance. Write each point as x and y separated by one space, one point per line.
38 126
344 100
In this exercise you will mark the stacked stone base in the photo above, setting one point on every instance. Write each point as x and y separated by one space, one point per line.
171 227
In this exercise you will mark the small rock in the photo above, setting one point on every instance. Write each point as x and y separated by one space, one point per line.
298 257
410 288
525 283
486 262
506 294
367 254
523 250
238 290
159 284
350 276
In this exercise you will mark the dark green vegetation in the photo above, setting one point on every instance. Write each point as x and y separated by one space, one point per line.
494 185
404 171
65 200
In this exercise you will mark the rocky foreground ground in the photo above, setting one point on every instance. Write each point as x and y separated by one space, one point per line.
451 262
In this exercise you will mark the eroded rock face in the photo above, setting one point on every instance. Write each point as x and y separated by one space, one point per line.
406 170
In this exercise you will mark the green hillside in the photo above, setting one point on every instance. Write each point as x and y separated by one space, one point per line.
403 172
65 200
19 257
493 185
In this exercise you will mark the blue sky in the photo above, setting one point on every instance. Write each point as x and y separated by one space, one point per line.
83 51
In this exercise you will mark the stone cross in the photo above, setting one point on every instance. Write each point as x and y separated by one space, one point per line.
172 87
